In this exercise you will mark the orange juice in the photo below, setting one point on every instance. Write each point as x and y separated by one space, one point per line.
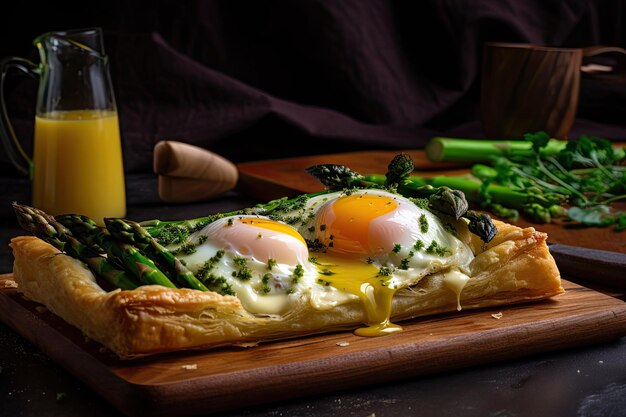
78 164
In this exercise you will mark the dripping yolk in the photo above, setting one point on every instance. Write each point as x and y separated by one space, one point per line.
344 226
354 276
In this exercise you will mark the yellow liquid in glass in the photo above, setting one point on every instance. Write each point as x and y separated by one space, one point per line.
78 164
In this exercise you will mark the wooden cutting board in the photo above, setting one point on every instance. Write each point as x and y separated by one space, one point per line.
227 378
266 180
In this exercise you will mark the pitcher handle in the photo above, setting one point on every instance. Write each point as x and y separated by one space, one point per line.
614 72
17 156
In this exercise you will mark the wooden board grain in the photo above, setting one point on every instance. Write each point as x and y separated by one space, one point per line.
266 180
228 378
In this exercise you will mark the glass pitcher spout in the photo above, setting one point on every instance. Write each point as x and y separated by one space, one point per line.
74 71
87 40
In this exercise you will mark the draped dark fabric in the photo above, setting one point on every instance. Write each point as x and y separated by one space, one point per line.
268 79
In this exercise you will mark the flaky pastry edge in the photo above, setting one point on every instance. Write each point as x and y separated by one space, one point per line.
514 267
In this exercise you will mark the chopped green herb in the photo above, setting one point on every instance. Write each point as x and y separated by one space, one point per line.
244 272
292 219
214 282
271 263
315 245
404 264
297 274
384 271
217 283
397 248
420 202
436 248
419 245
186 248
265 281
209 264
423 223
172 234
284 205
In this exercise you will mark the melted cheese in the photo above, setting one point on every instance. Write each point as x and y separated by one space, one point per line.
455 280
257 303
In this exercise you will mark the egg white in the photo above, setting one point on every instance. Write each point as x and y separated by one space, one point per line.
240 241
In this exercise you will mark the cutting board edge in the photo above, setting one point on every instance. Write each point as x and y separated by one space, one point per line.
262 394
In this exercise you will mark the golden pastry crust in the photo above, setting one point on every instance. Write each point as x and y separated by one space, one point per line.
514 267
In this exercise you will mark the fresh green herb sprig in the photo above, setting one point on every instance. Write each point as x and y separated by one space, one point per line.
586 174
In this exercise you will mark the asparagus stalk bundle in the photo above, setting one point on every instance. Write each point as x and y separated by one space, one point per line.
47 228
128 256
540 177
132 233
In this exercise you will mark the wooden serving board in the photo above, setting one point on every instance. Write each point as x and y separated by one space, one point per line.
227 378
266 180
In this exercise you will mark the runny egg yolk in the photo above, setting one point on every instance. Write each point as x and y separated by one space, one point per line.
275 226
258 239
360 278
346 223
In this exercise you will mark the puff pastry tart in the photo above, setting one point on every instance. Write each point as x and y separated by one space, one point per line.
363 260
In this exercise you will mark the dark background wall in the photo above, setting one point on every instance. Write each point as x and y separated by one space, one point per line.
238 77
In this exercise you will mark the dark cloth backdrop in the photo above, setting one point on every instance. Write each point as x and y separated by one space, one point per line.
267 79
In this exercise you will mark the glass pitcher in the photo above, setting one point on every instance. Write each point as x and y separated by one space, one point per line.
77 164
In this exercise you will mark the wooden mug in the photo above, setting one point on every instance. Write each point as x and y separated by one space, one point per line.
528 88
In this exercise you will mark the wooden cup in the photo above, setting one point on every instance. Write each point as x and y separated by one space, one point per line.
528 88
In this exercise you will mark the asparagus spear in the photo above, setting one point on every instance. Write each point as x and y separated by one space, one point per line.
478 150
47 228
132 232
533 203
88 232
